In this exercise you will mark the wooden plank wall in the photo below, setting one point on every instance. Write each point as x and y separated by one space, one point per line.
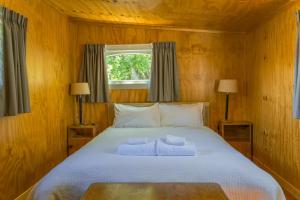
31 144
270 74
203 58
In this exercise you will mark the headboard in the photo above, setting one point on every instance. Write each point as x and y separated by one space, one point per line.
205 111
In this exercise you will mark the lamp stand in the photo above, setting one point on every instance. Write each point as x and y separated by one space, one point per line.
227 105
80 110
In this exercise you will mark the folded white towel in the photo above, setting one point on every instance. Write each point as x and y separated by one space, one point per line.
134 141
163 149
174 140
147 149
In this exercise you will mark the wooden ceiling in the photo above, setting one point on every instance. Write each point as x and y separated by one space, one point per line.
220 15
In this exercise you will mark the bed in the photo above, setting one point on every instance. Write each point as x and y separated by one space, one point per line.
216 161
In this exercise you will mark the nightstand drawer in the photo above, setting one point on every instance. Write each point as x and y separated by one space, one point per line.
79 135
243 147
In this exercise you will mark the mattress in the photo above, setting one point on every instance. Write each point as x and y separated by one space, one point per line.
216 161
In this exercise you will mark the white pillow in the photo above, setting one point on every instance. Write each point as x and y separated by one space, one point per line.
181 115
138 117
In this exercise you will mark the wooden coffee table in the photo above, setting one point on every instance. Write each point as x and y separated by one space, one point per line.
154 191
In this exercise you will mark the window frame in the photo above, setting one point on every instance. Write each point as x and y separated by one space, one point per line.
129 49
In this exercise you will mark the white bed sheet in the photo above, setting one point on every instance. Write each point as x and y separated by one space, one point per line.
216 162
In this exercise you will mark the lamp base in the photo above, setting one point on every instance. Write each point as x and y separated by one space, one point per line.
226 108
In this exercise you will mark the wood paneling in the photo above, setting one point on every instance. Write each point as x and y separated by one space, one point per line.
224 15
31 144
203 59
270 75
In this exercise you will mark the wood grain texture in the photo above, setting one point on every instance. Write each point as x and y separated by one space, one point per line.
155 191
203 59
78 136
226 15
31 144
270 74
239 135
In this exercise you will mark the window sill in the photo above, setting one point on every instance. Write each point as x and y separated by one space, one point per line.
141 84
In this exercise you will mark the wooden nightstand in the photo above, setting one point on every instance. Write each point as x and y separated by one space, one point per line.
239 135
79 135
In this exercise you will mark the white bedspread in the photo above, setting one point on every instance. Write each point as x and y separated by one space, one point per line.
216 162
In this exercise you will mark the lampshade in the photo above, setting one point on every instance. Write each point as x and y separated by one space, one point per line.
80 89
228 86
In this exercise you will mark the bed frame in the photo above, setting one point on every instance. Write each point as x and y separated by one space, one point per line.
205 111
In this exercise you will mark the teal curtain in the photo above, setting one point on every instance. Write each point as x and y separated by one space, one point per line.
296 106
14 97
164 81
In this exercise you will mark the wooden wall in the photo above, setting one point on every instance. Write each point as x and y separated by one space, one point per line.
203 58
270 74
31 144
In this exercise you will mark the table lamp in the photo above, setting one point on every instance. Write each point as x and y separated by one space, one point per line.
80 89
228 86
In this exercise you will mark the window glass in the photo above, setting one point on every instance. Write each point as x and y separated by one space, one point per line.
128 66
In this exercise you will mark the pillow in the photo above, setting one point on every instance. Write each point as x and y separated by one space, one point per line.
136 116
181 115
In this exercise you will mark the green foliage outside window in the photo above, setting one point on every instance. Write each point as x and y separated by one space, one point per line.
128 66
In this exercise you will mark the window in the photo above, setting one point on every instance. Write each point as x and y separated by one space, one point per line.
128 66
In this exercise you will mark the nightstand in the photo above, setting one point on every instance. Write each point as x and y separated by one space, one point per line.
79 135
239 135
